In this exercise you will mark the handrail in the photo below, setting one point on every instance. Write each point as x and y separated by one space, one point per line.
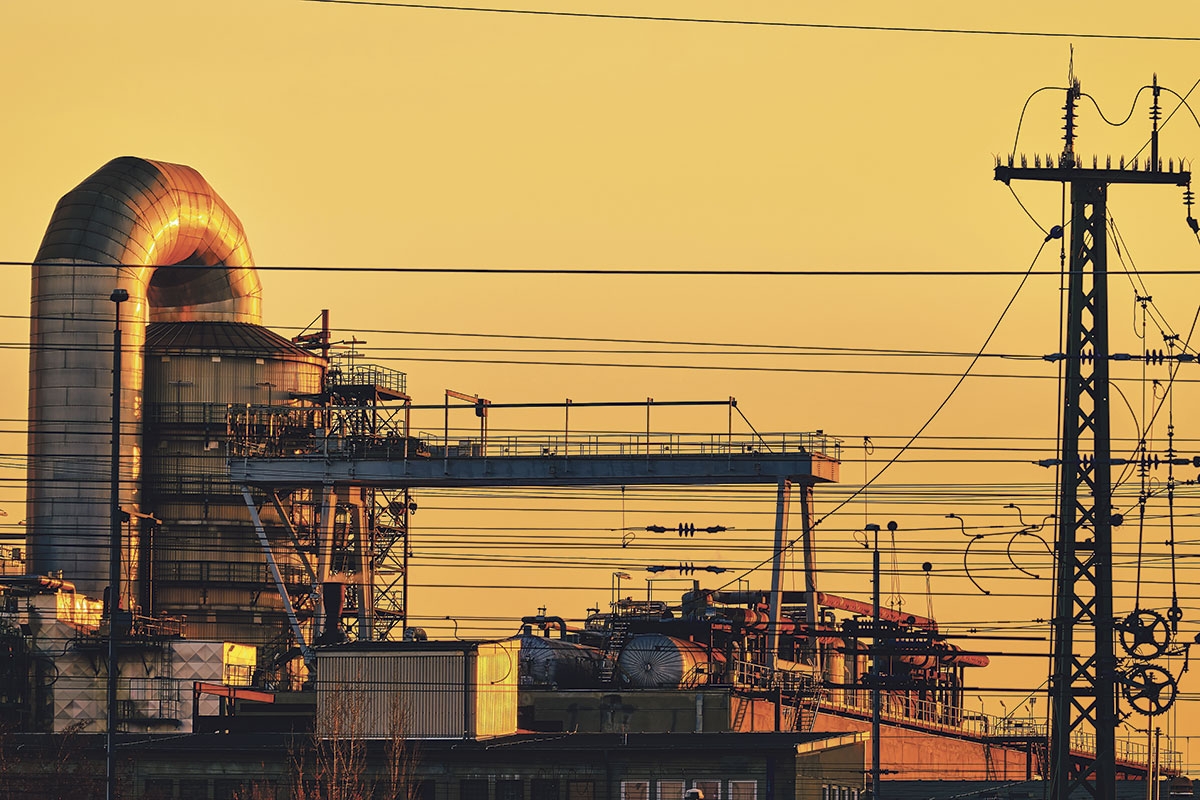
280 434
939 717
297 431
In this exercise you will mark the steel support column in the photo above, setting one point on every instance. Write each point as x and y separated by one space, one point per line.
364 545
276 575
783 498
1084 682
325 536
809 551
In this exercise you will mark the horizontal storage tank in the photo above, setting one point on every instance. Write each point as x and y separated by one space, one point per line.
421 690
654 661
557 664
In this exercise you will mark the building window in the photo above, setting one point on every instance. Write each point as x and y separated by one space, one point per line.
543 789
473 789
743 790
510 789
635 790
711 789
421 790
581 790
671 790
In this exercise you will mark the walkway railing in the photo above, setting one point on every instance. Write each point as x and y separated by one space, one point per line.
974 724
296 431
259 432
626 445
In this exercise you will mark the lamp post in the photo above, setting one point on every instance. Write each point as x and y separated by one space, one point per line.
114 553
876 699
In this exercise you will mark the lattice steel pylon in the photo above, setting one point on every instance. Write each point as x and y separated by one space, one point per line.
1084 679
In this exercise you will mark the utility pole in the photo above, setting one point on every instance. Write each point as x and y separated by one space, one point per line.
876 675
1084 680
876 699
114 556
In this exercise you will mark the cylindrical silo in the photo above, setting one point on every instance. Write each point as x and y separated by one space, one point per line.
205 562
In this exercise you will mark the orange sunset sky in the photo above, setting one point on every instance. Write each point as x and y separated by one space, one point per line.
367 136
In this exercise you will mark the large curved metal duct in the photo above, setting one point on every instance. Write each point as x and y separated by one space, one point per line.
137 225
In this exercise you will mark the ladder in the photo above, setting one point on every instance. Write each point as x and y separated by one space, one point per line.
807 710
617 637
739 715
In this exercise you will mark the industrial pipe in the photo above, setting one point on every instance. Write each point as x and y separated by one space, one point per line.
159 232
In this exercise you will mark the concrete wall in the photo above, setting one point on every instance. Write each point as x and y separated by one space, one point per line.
825 764
912 754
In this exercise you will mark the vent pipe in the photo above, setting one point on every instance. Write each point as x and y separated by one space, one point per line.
150 228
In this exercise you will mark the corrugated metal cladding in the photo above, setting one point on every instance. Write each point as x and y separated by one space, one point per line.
203 599
219 338
423 694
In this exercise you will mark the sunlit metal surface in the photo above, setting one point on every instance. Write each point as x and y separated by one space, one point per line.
150 228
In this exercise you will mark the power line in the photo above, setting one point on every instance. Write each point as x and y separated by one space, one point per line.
769 23
848 272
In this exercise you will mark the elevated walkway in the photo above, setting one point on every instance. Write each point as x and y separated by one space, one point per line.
328 453
532 461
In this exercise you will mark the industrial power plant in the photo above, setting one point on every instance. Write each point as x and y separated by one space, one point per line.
250 494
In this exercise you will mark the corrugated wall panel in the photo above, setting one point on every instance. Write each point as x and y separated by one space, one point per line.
426 687
206 555
438 695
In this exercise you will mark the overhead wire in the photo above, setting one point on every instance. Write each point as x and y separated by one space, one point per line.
748 272
929 421
764 23
958 383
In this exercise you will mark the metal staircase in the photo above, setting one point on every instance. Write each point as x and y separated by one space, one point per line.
807 709
617 637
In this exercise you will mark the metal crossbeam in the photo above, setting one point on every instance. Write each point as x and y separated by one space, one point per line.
654 469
